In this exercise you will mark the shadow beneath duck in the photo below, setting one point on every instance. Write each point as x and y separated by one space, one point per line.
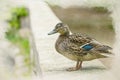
93 68
84 69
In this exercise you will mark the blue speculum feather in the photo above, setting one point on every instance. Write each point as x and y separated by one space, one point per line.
87 47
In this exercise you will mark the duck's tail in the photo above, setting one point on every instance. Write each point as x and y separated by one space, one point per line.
105 50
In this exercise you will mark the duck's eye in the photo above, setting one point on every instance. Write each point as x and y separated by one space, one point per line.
59 25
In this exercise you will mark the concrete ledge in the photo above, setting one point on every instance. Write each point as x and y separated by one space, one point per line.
53 64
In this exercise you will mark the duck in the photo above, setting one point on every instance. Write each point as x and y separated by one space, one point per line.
78 47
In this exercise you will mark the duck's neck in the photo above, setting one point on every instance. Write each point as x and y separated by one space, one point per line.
66 33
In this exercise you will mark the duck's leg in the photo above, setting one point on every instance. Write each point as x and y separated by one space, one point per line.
75 68
80 65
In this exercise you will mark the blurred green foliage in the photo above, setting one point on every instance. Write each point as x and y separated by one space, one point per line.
20 11
15 38
22 43
17 13
111 27
14 22
13 33
100 9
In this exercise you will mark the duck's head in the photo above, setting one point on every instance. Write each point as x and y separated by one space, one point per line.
60 28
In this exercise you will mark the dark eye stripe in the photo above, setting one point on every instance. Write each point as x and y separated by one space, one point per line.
58 25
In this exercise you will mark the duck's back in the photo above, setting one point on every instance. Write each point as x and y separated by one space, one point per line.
79 39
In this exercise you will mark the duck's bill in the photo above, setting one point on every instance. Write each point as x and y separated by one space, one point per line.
52 32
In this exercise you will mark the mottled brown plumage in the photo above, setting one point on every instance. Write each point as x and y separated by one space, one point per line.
77 46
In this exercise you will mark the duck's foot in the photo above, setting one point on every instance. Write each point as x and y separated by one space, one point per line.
72 69
78 66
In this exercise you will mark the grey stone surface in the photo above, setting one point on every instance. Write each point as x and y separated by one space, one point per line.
53 64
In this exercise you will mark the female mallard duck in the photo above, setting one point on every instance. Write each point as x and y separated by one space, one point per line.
78 47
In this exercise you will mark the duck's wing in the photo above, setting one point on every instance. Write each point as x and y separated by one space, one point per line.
80 39
74 49
82 44
73 44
